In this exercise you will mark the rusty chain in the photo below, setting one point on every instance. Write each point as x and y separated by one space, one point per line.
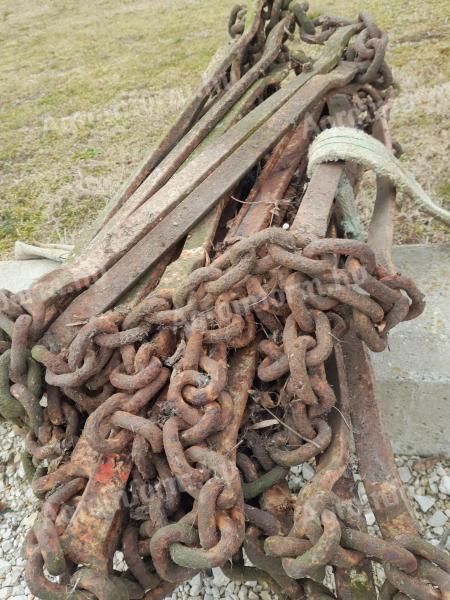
138 433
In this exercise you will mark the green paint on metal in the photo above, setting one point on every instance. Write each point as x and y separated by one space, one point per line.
345 198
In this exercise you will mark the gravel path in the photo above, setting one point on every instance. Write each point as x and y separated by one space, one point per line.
427 482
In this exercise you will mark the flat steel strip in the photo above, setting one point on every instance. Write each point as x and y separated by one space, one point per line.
258 214
315 209
379 473
185 180
215 71
381 228
104 293
94 529
101 255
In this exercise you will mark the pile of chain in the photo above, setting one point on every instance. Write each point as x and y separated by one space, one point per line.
166 427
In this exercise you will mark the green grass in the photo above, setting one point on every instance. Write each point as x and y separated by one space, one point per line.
87 89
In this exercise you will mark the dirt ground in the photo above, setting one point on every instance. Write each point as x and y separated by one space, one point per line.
87 89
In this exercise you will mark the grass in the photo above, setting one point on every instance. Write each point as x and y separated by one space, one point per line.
87 89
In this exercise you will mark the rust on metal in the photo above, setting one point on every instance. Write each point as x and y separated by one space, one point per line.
100 511
213 335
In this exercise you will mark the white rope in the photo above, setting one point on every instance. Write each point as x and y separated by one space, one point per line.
345 143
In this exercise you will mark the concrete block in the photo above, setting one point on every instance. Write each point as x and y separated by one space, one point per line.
17 275
413 375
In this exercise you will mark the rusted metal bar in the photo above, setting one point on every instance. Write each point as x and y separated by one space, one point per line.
104 293
356 583
381 227
194 253
213 75
94 530
100 257
197 133
274 180
315 209
199 240
384 489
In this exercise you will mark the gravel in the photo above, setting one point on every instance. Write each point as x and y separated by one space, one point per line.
427 483
425 502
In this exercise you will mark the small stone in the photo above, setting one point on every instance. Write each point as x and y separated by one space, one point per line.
208 597
370 518
21 471
308 472
444 485
252 595
14 576
219 578
294 482
362 492
243 593
264 595
438 519
29 494
196 585
5 567
405 474
425 502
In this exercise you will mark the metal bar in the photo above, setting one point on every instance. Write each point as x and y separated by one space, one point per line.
104 293
200 238
195 249
275 178
357 583
381 228
312 219
98 257
215 71
315 209
198 132
93 532
384 488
